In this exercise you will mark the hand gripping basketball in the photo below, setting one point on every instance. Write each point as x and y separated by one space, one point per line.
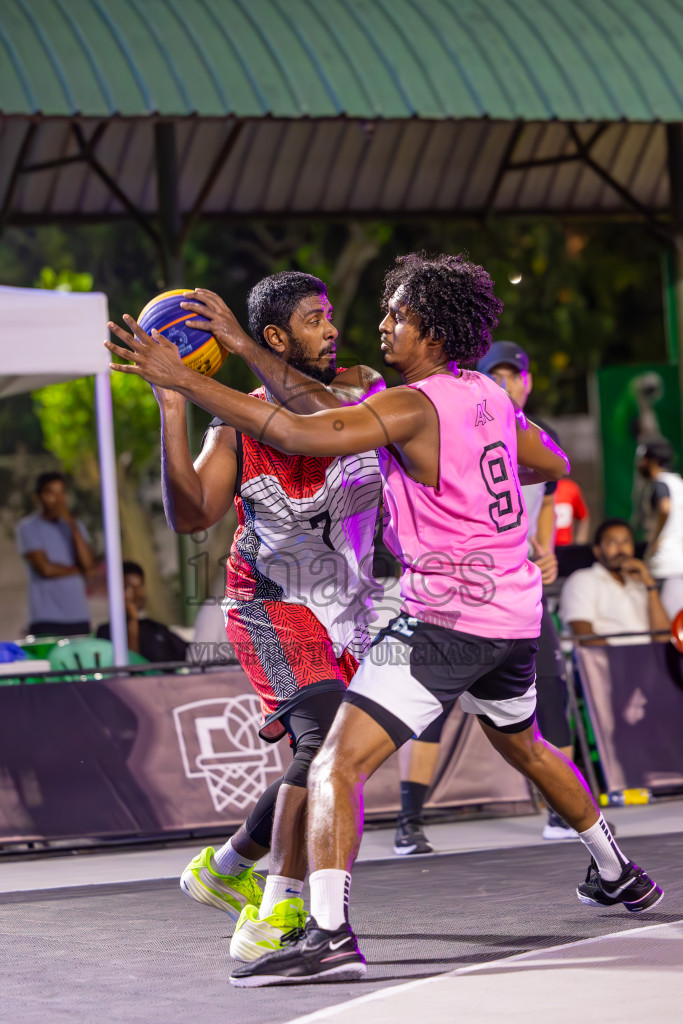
198 348
217 319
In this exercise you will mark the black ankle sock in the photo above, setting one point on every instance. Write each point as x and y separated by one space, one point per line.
412 801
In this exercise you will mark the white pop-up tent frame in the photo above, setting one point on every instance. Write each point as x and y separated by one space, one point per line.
50 337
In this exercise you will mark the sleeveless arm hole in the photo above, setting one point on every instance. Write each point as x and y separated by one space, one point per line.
435 488
239 451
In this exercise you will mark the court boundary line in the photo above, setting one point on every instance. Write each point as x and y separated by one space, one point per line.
325 1014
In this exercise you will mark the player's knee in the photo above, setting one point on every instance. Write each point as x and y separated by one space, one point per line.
334 764
527 755
536 757
297 773
321 768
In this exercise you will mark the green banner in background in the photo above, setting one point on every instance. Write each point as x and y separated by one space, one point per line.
637 403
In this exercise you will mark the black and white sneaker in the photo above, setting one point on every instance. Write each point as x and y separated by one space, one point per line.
557 828
410 838
306 954
633 889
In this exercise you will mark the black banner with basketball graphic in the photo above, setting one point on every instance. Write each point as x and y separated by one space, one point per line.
154 755
634 695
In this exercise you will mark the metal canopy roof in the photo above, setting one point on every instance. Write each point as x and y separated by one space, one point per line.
338 106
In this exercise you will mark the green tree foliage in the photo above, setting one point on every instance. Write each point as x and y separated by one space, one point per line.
589 294
67 411
65 281
67 417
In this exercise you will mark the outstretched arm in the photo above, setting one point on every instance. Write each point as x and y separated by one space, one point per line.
383 419
289 386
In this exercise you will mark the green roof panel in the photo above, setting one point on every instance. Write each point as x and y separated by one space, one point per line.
533 60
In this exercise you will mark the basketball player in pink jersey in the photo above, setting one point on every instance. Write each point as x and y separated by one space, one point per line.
298 584
450 442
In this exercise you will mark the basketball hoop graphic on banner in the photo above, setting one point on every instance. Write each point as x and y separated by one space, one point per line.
219 742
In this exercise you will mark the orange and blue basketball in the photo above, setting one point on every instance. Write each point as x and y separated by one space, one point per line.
198 349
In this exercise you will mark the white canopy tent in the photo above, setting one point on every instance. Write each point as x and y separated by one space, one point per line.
51 337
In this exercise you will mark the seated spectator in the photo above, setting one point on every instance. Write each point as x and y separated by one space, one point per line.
572 522
617 594
56 547
151 639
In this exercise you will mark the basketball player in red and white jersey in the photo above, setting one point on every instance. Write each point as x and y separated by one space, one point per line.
299 575
450 444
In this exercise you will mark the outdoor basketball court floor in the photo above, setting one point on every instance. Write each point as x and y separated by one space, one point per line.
142 952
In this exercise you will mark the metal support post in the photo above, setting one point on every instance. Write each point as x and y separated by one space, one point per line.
170 222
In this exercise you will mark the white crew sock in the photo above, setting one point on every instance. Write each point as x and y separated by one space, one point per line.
278 888
330 897
605 852
228 862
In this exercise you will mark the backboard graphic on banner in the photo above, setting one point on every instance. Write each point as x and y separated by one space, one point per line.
168 754
219 743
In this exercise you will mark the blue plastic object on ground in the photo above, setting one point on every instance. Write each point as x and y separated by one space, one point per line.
11 652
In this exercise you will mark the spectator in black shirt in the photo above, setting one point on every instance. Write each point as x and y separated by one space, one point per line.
151 639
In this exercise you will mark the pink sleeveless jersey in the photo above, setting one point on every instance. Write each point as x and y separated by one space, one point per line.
463 545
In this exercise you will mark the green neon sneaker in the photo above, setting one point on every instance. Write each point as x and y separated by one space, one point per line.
229 893
253 937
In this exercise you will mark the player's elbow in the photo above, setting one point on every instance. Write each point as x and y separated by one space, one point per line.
188 524
186 520
555 465
560 468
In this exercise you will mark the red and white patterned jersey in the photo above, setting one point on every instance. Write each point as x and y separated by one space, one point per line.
305 536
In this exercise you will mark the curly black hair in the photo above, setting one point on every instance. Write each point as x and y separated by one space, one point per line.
453 298
274 299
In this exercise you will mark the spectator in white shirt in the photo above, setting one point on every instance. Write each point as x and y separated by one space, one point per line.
664 521
617 594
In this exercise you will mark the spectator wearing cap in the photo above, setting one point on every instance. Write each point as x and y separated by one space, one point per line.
617 594
508 364
664 522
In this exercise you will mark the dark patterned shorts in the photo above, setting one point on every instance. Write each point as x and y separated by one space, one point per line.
284 648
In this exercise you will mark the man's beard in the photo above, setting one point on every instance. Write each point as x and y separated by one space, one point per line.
614 563
297 359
